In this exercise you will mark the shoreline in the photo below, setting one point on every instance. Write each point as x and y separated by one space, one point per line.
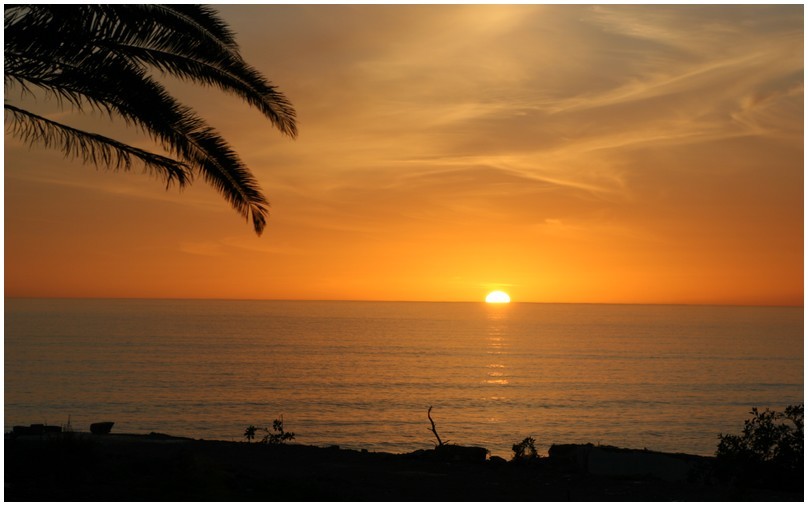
146 467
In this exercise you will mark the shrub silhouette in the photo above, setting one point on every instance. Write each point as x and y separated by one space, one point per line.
279 436
769 453
525 451
249 433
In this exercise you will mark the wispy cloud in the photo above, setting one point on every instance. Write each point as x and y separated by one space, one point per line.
437 136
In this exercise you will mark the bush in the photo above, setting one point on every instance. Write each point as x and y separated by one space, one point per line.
769 453
525 451
249 433
278 437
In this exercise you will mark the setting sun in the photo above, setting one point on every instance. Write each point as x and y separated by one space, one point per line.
497 297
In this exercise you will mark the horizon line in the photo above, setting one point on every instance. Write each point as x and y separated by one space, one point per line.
247 299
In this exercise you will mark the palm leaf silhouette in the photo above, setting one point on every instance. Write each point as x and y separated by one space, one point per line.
99 57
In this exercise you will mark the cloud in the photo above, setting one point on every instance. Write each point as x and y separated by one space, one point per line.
236 245
204 248
448 129
552 93
126 184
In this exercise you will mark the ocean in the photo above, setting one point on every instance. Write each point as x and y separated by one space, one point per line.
363 374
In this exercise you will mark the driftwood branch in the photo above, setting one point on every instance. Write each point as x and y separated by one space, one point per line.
434 431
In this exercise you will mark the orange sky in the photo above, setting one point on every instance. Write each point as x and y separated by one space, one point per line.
649 154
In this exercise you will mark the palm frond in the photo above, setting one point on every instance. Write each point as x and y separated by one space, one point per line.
205 18
91 147
241 80
222 169
163 37
125 89
99 56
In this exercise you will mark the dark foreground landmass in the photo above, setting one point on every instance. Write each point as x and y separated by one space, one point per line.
155 467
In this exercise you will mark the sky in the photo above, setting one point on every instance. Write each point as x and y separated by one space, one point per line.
560 153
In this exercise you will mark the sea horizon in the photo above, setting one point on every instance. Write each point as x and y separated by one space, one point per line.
362 374
248 299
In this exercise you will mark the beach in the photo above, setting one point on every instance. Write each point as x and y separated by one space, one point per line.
158 467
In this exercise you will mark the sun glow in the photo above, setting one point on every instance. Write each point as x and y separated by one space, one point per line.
497 297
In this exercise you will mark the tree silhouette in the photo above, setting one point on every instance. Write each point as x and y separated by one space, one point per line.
249 433
769 452
100 57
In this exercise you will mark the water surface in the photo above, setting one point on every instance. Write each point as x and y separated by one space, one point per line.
363 374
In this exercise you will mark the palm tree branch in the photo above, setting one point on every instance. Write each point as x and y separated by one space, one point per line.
224 69
91 147
178 25
225 172
82 66
241 80
178 129
205 19
125 89
156 34
114 83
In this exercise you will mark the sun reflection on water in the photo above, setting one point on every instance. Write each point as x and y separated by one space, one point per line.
497 373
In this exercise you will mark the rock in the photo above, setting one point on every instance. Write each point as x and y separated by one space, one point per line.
570 458
36 429
637 463
497 460
101 427
616 462
450 453
457 453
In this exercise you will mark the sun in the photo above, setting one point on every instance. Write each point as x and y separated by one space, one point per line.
497 297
